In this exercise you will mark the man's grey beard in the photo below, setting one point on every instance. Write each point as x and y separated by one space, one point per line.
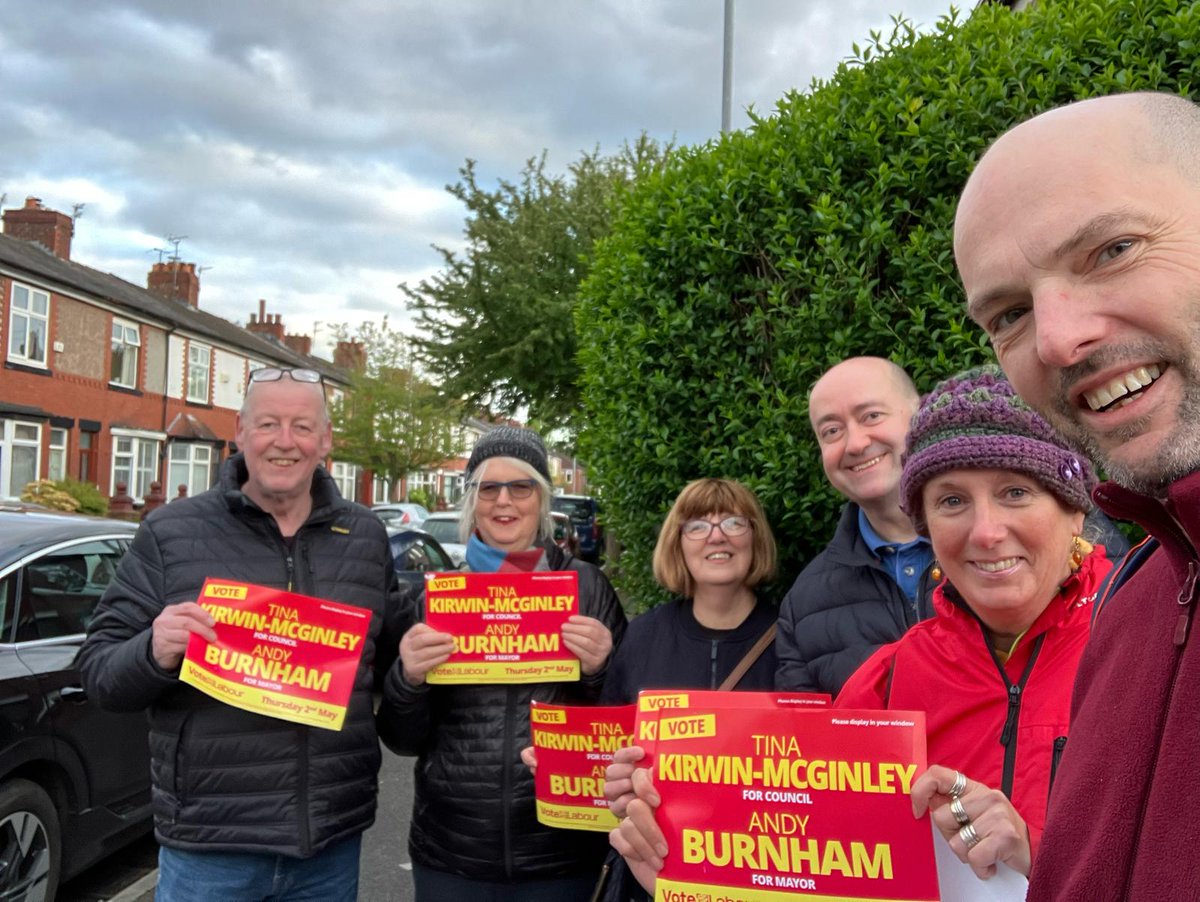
1176 456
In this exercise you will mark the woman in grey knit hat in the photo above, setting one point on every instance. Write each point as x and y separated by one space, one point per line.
474 832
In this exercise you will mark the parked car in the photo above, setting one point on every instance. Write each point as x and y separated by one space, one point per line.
415 553
401 514
443 526
74 780
564 532
584 512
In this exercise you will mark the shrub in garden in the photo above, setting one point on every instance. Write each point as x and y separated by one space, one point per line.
422 497
731 280
91 499
48 494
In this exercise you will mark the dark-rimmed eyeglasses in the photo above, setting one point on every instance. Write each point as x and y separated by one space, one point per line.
275 373
698 530
518 489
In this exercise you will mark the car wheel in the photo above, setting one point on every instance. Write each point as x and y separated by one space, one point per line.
30 851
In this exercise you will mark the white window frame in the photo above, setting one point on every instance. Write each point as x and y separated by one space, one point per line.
10 440
142 461
346 477
19 325
452 487
56 462
381 490
199 372
126 341
425 480
197 459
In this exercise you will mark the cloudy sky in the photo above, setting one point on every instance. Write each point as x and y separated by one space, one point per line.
303 147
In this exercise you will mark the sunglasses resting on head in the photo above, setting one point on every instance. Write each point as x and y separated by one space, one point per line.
275 373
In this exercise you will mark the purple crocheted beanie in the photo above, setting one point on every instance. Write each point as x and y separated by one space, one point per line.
975 421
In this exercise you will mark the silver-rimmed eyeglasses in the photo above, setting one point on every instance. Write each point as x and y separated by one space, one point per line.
518 489
698 530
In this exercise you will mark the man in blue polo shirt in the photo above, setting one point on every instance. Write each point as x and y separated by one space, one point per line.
872 581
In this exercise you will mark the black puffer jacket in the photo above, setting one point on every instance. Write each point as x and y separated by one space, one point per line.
226 779
668 648
842 607
474 813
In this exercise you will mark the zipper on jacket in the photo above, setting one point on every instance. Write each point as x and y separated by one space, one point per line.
1008 736
1186 596
1060 743
1141 815
291 572
1185 599
506 789
1171 527
712 666
302 804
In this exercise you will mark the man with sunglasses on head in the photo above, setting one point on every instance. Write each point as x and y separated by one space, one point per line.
872 581
248 806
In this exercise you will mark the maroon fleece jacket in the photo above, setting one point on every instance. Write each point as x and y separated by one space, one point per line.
1124 818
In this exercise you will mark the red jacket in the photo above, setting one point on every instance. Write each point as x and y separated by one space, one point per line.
945 667
1123 821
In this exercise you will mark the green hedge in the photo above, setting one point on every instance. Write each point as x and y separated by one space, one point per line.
732 280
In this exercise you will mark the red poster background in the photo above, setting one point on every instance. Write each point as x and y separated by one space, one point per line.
574 744
469 605
317 642
725 812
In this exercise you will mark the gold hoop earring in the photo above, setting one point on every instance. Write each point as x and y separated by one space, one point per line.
1080 548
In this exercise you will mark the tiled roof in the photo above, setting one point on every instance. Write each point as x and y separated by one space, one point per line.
34 260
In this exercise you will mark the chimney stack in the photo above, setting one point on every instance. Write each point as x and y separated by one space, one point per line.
49 228
175 281
301 344
350 355
268 325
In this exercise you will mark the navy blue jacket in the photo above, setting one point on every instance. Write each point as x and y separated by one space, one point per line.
842 607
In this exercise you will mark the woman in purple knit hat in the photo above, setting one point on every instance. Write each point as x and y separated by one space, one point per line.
1002 499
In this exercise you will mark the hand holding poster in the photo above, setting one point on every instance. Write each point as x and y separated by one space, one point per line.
574 745
507 627
772 804
277 653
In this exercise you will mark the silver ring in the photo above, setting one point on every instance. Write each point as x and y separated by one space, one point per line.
959 786
969 837
959 812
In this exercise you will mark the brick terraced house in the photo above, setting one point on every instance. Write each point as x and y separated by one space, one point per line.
108 382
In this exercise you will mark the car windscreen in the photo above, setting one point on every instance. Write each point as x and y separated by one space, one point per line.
442 530
578 511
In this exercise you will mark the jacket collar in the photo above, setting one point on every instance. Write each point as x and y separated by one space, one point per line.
847 545
233 476
1175 521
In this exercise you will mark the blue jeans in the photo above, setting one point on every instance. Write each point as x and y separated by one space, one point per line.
438 886
329 876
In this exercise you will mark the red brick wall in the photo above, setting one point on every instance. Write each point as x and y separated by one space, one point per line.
77 385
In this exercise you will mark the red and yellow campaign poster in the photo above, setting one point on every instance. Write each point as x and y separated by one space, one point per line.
574 746
778 803
277 653
652 701
507 627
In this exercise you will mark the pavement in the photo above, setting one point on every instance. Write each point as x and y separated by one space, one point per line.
385 875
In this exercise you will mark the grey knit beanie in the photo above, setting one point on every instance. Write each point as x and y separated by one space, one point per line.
510 441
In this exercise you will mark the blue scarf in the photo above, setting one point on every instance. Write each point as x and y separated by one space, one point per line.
483 558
